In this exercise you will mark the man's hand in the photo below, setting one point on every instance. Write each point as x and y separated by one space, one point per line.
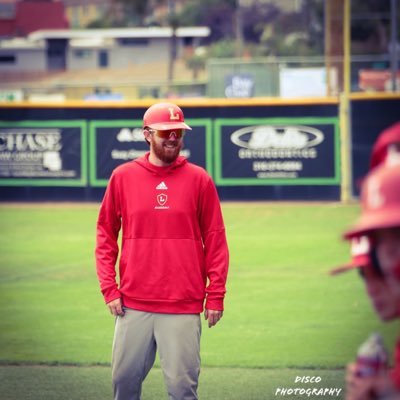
115 307
368 388
357 388
213 316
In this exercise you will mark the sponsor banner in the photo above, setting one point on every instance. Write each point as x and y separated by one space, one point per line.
307 82
239 86
377 80
113 143
9 96
277 151
43 153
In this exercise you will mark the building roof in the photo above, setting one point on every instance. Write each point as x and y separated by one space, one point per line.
7 27
152 32
97 38
21 43
91 43
31 16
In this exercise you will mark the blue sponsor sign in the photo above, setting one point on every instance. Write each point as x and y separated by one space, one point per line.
113 143
285 151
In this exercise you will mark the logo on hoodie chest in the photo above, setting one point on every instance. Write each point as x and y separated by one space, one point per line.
162 198
162 186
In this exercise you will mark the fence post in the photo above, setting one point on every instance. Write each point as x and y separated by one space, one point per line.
345 149
345 114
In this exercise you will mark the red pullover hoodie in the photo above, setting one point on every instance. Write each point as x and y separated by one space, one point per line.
174 253
395 373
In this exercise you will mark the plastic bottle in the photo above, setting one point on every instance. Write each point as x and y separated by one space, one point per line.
372 356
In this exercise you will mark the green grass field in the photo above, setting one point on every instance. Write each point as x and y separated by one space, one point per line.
285 316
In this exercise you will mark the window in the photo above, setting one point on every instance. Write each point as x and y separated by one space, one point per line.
188 41
133 41
82 53
7 59
103 59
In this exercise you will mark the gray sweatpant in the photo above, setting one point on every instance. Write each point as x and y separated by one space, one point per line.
138 335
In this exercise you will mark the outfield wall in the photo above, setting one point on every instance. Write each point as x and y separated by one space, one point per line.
255 149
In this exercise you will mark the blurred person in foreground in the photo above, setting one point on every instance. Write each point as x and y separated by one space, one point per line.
375 245
173 260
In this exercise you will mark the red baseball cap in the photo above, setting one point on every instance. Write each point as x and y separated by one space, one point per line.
380 201
380 205
164 116
389 136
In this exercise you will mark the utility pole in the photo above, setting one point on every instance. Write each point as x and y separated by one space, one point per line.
393 43
334 43
327 45
239 29
173 23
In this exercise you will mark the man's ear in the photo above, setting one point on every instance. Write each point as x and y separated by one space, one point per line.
147 135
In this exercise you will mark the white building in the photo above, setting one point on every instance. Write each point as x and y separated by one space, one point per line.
51 50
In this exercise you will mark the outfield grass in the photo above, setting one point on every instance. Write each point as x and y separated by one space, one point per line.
93 383
282 308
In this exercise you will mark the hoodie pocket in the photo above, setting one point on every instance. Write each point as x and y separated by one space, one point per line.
163 270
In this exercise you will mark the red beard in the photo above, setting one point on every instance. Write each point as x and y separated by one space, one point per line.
167 154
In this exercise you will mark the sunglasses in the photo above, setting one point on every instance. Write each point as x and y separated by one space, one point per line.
178 133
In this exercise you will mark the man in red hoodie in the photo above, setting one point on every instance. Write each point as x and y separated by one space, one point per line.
173 259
